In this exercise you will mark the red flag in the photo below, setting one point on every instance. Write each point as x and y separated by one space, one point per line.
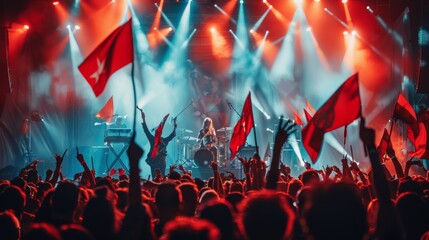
308 116
384 143
421 142
242 128
114 53
158 133
341 109
404 111
298 119
106 113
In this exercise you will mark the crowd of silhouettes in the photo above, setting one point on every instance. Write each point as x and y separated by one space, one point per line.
268 203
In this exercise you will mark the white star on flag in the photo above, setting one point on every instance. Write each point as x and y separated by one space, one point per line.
100 70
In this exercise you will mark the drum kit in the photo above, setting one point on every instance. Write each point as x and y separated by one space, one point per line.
190 152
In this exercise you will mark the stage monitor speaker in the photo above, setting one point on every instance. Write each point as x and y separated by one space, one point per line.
247 151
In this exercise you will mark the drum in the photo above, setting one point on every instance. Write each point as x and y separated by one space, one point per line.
203 157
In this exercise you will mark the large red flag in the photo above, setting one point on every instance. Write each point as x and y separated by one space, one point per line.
405 112
157 138
106 113
341 109
114 53
421 142
242 128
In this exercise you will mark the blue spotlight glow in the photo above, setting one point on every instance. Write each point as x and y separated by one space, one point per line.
164 16
261 19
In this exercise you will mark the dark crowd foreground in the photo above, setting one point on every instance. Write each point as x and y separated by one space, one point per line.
334 203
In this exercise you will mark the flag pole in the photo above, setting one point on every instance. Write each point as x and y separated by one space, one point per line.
254 129
133 83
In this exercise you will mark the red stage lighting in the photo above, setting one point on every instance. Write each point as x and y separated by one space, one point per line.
55 3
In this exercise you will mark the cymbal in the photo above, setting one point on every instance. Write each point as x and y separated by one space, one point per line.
189 138
184 130
224 129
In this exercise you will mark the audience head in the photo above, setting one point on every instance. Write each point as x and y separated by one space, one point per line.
13 198
414 214
220 214
266 215
42 231
190 198
65 198
168 199
75 232
310 177
190 228
335 211
99 218
9 226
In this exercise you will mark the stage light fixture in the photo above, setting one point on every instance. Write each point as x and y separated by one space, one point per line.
76 27
344 1
26 27
369 9
316 0
298 2
345 33
55 3
251 31
170 29
308 29
241 1
264 1
68 26
212 30
354 32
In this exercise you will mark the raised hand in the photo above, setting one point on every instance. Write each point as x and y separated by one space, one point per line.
354 167
214 166
390 151
172 168
134 151
367 135
245 163
121 171
328 170
182 168
285 129
112 172
79 156
59 159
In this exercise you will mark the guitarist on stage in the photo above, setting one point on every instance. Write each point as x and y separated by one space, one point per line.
159 161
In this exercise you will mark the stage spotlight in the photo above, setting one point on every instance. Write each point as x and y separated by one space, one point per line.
251 30
113 1
170 29
298 2
325 9
155 28
369 9
55 3
68 26
266 32
344 1
354 32
345 33
316 0
308 29
26 27
212 30
76 27
264 1
241 1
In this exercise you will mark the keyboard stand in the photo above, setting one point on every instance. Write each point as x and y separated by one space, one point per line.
118 156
